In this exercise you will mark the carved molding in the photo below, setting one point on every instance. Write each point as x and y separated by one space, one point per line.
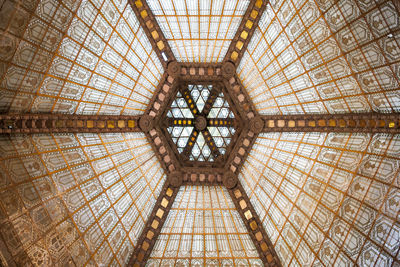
174 69
175 178
230 179
256 124
146 123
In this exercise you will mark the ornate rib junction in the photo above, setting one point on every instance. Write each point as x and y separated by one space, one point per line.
202 124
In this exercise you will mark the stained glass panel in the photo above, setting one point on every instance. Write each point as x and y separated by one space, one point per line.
200 94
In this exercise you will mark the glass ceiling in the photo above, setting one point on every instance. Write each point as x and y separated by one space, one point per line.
85 196
208 144
324 199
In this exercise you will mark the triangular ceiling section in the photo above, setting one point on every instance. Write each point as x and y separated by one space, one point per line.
327 199
83 57
320 57
201 30
76 199
204 228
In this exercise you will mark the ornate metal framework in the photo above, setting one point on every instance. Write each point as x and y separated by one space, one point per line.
248 124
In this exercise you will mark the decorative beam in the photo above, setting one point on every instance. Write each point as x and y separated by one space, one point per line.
245 31
162 149
153 31
210 142
354 122
189 146
189 100
252 221
170 122
163 96
238 154
68 123
240 97
154 223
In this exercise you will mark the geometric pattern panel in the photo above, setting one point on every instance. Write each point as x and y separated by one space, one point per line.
200 101
327 199
80 199
199 31
204 228
324 57
88 57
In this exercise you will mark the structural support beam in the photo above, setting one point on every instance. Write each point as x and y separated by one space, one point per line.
239 153
254 226
189 100
68 123
153 31
245 31
354 122
202 176
153 225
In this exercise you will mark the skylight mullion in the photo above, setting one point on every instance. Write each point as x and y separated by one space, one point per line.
210 101
190 101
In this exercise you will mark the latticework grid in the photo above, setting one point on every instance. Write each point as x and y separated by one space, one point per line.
82 199
204 228
327 199
89 57
320 57
201 30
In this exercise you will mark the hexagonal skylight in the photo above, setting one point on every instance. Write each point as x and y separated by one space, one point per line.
200 122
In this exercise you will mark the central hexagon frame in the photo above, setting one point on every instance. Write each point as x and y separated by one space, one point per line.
238 124
248 124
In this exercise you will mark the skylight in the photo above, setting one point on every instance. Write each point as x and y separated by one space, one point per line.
200 122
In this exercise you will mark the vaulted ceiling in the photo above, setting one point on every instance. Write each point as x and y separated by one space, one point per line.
323 198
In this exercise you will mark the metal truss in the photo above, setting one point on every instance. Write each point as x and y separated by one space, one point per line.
248 123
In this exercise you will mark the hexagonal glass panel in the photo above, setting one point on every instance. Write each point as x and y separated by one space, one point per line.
200 122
